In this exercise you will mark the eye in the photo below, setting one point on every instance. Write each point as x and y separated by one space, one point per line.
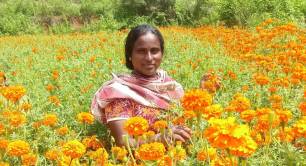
155 50
141 51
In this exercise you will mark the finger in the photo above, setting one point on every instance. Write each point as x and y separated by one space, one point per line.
187 129
177 137
182 133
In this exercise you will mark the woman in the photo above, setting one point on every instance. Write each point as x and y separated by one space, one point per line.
145 92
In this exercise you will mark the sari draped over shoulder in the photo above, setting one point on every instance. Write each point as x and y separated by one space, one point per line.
157 93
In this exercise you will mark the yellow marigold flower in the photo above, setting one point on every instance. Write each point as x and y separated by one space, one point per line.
3 143
178 152
52 154
210 154
196 100
65 161
92 142
18 148
74 149
4 164
28 159
225 133
136 126
189 114
13 93
85 117
159 125
151 151
299 128
100 156
120 153
17 119
214 110
62 130
49 120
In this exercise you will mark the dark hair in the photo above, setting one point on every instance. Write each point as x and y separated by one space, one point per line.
133 35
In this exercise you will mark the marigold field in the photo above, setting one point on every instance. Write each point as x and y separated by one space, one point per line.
251 110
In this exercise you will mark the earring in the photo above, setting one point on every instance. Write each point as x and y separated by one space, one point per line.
130 59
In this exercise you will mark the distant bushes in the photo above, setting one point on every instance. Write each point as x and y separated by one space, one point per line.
60 16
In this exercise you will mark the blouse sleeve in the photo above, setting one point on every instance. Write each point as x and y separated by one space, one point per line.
120 109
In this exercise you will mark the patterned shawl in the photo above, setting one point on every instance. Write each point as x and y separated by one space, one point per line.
156 93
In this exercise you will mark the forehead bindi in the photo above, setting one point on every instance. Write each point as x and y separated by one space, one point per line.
147 40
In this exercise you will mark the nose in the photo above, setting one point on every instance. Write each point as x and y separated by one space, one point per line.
149 56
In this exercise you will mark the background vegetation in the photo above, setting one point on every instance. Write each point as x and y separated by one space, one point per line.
59 16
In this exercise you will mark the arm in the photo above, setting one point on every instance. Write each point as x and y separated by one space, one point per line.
179 133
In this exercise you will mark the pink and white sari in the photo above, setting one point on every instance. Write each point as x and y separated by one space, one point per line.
157 93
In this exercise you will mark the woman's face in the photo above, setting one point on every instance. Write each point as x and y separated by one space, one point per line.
147 54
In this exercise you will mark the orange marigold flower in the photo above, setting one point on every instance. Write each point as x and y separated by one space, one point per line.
28 159
18 148
74 149
286 135
210 154
151 151
3 143
50 87
55 74
261 79
136 126
120 153
62 130
302 107
240 103
26 106
55 100
248 115
49 120
92 142
284 115
267 121
160 125
247 147
85 117
166 161
36 125
2 128
214 110
13 93
100 156
52 154
17 119
196 100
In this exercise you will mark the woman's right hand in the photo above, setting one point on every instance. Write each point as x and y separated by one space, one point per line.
178 133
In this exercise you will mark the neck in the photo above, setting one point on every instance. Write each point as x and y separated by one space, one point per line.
150 77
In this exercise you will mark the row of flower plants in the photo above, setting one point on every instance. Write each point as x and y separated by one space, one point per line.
262 122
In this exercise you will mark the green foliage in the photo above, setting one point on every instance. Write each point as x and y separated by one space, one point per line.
29 16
